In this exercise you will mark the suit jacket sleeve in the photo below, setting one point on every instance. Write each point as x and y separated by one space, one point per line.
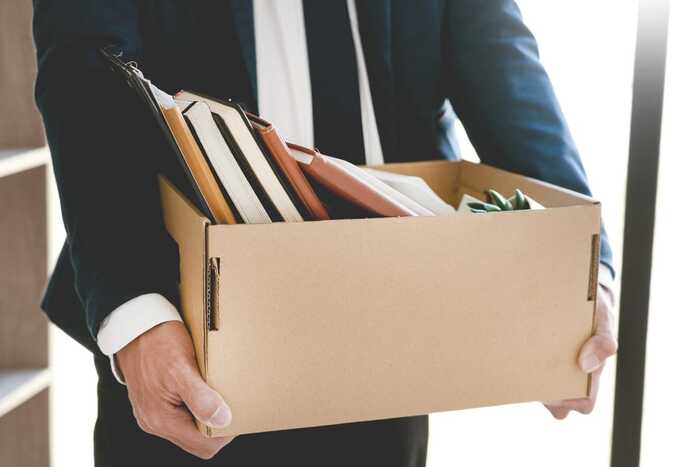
505 99
104 153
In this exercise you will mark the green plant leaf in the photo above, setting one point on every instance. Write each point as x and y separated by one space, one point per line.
520 200
500 201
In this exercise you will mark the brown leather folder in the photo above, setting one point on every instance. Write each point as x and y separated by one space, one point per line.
199 167
336 176
289 167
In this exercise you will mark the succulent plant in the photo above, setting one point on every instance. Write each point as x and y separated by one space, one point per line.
498 202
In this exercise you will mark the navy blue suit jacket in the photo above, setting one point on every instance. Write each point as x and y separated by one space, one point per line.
421 54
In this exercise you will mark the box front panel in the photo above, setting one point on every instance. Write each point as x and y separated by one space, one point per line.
332 322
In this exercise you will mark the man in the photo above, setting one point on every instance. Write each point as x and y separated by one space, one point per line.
367 80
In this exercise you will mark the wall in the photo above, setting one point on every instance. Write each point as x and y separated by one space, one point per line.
671 413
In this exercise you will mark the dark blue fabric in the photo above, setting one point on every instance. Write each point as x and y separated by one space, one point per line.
119 442
335 87
421 54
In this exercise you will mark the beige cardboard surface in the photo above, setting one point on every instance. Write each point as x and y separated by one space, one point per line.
481 177
451 179
340 321
188 228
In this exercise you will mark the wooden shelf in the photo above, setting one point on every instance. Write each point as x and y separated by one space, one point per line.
13 161
18 386
24 164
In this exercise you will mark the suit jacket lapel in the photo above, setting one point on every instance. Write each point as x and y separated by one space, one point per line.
375 23
242 11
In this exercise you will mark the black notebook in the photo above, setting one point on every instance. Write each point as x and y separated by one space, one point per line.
232 176
274 190
135 80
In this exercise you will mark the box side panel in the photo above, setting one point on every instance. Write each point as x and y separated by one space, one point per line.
333 322
441 176
478 178
188 229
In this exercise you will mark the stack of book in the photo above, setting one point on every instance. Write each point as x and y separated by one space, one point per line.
244 172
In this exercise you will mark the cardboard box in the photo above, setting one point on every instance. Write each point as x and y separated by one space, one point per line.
319 323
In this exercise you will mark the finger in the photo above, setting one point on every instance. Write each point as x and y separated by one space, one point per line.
558 412
179 429
204 403
595 351
584 405
603 343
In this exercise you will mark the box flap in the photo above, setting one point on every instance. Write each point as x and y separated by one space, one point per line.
451 179
479 178
187 226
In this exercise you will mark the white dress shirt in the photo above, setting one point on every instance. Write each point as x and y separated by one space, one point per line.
284 98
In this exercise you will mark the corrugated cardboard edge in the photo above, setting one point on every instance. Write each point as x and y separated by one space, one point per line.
188 228
593 287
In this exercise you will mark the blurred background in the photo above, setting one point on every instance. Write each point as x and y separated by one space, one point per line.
588 48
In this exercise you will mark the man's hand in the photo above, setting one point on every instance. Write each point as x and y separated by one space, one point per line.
591 359
166 390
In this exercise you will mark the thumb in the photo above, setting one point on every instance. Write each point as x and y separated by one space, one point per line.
595 352
204 403
603 343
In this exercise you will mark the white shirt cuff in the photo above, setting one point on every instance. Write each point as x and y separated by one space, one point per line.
130 320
